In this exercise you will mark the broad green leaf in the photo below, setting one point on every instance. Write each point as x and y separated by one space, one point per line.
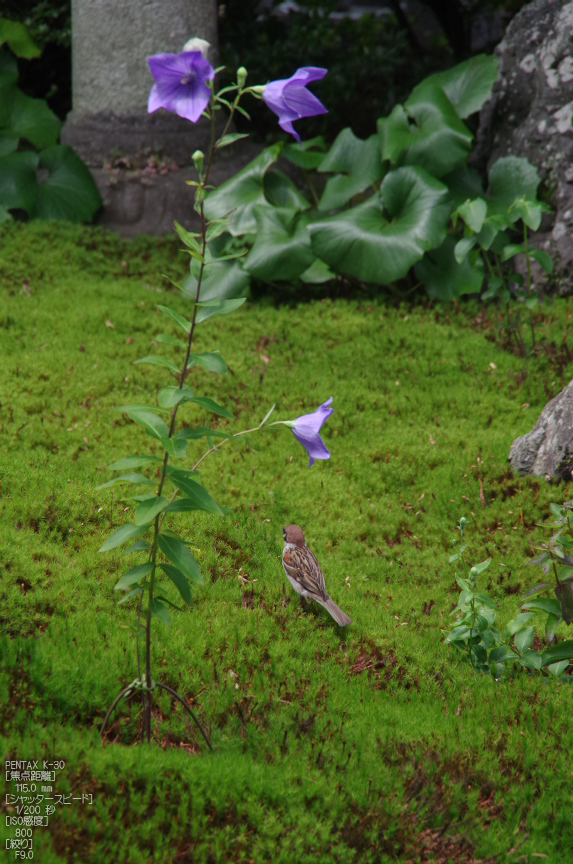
510 178
531 659
136 574
211 405
445 279
69 192
121 535
552 607
18 38
512 249
463 183
516 624
175 316
195 493
551 625
148 510
191 239
133 462
171 396
281 250
18 181
524 639
463 247
501 654
175 447
210 308
480 568
179 554
544 259
180 582
230 138
140 546
304 155
473 213
378 241
212 362
357 165
528 211
317 274
221 279
280 191
126 478
217 228
156 360
24 117
561 651
458 633
557 669
160 611
425 132
152 424
467 86
242 193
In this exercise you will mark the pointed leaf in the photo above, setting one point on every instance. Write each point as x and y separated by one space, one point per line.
165 339
122 534
136 574
175 316
148 510
509 178
180 582
133 462
524 639
140 546
179 554
152 424
473 213
139 589
211 405
171 396
445 279
175 447
197 494
357 165
467 86
281 250
531 659
210 361
126 478
18 38
544 259
160 611
156 360
561 651
280 191
210 308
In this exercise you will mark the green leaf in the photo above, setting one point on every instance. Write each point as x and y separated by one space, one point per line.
531 659
280 191
69 192
175 316
194 433
242 193
463 247
180 582
514 626
510 250
211 405
425 132
281 250
24 117
18 38
133 462
317 274
126 478
171 396
445 279
221 280
564 594
212 362
152 424
463 183
509 178
18 182
501 654
557 669
561 651
190 238
230 138
139 589
156 360
467 86
473 213
166 339
195 493
136 574
160 611
124 409
175 447
480 568
179 554
551 625
544 259
552 607
140 546
357 166
148 510
210 308
524 639
528 211
121 535
378 241
304 155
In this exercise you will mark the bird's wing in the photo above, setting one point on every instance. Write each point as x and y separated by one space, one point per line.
302 566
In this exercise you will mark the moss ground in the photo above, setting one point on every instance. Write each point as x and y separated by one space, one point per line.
368 745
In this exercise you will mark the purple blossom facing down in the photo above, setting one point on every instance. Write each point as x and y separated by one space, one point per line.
180 84
306 430
290 99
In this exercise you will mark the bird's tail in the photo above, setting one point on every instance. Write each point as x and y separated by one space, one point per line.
339 616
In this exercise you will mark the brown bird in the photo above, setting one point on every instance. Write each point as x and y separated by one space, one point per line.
304 573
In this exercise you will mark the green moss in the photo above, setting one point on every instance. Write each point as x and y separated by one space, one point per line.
366 745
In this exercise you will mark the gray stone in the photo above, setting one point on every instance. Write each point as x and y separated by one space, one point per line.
548 449
530 115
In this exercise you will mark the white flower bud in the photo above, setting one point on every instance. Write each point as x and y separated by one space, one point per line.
197 44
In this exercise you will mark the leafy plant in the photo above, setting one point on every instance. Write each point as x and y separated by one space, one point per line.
44 179
480 642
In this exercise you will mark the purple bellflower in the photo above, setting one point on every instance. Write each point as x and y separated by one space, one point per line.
306 430
291 101
180 83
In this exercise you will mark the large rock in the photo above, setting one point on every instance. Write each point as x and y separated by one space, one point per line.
548 448
530 115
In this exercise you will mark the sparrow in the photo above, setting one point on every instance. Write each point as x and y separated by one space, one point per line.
304 573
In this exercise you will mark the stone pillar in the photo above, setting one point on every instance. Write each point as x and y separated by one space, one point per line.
111 41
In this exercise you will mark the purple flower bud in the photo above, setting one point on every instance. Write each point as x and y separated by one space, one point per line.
306 429
290 99
180 83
